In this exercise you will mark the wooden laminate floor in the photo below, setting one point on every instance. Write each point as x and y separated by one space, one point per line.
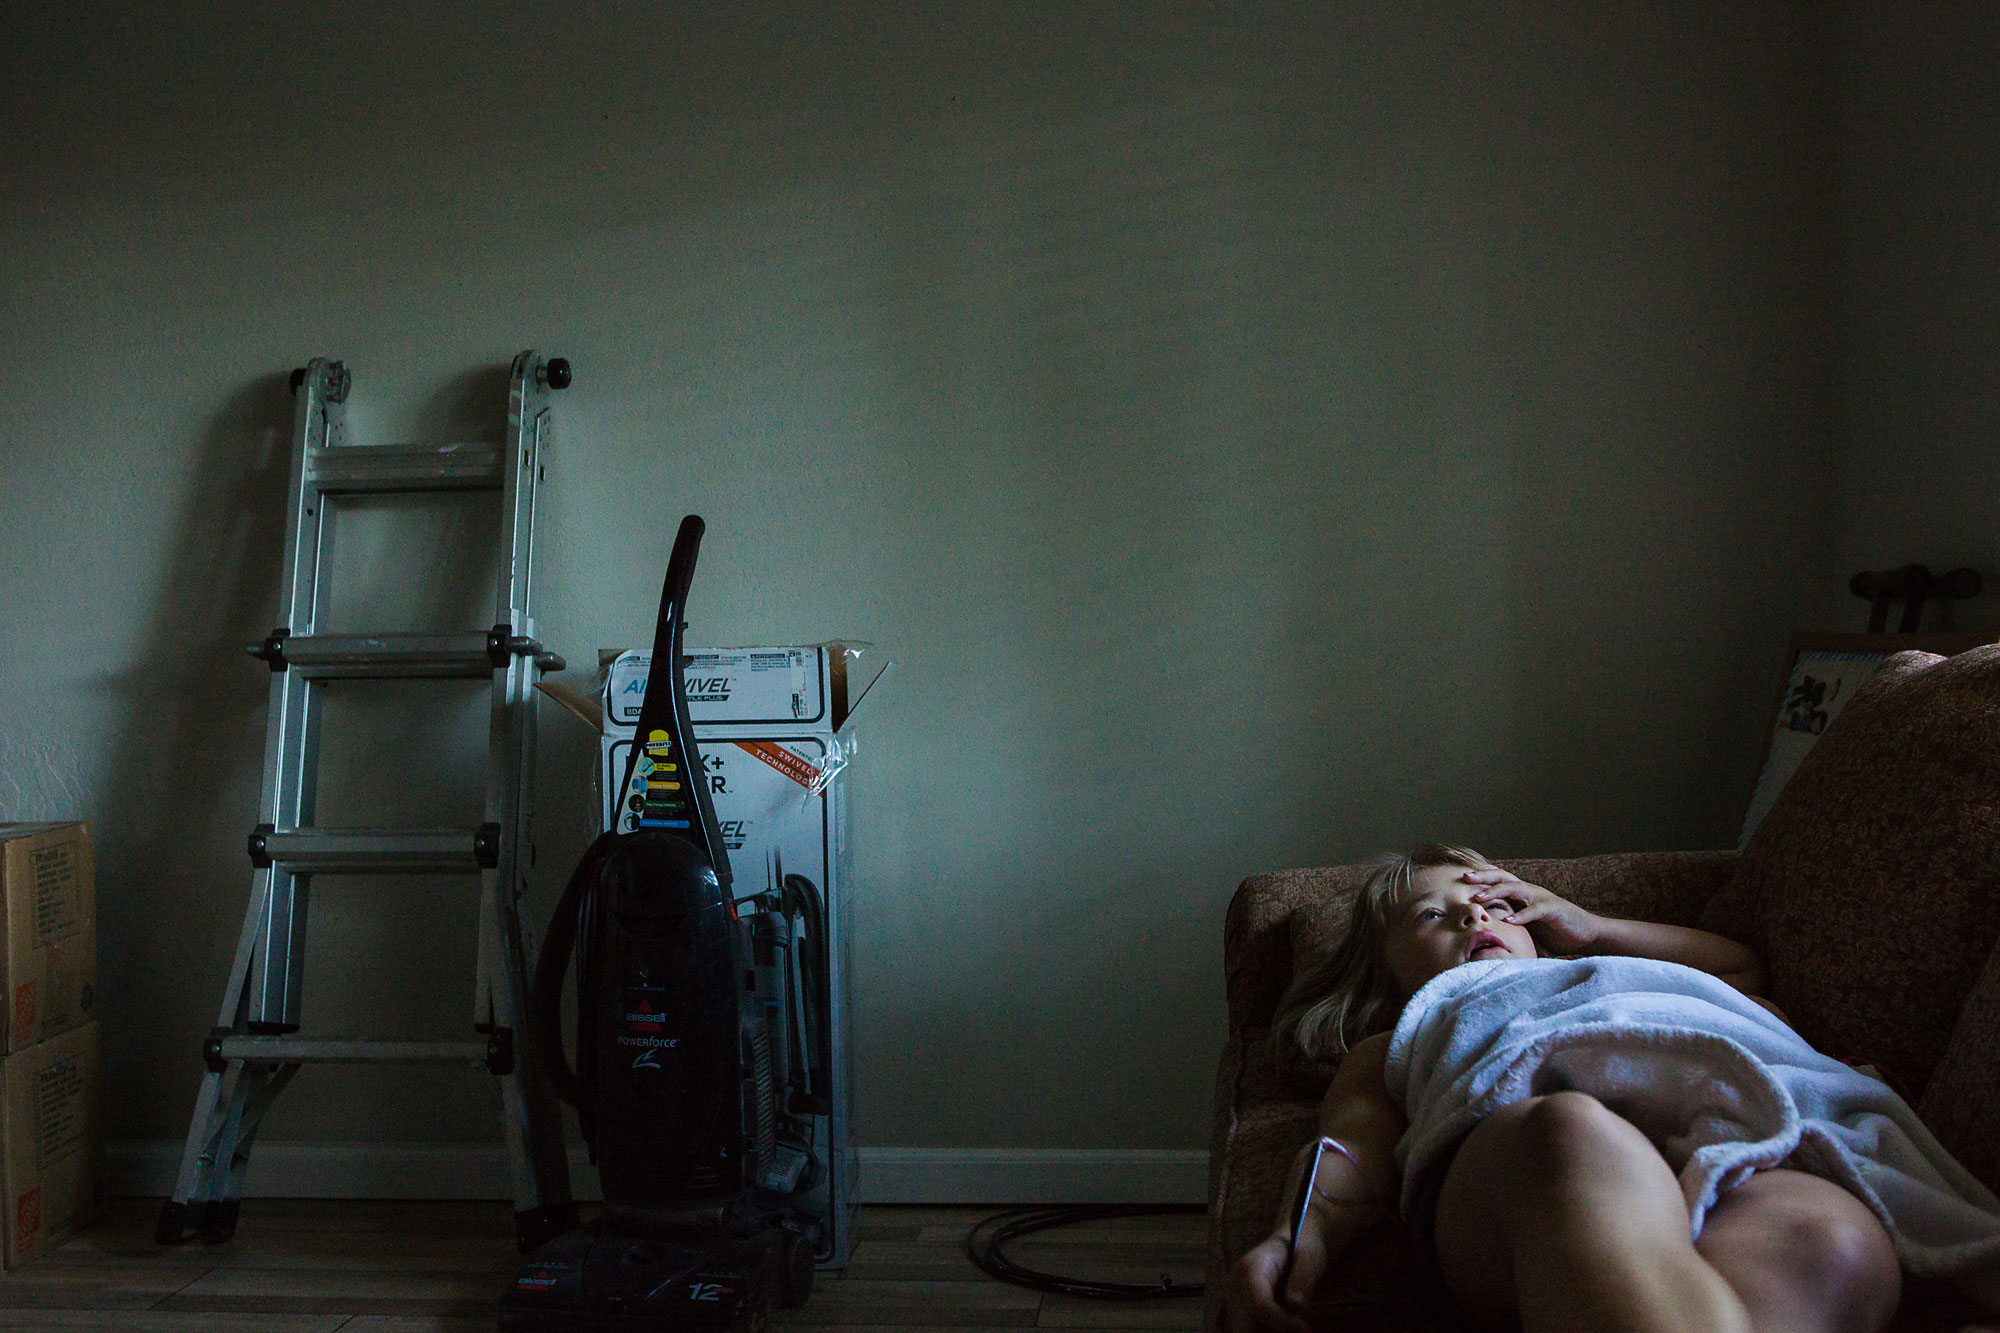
316 1266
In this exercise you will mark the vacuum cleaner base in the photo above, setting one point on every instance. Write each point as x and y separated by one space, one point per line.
603 1282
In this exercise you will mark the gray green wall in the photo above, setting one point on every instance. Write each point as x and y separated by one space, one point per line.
1262 437
1918 291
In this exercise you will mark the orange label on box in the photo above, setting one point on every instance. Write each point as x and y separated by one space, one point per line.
24 1013
802 771
28 1215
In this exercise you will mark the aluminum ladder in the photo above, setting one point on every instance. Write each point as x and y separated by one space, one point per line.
254 1050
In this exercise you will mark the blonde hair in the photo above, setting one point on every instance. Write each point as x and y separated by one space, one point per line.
1349 994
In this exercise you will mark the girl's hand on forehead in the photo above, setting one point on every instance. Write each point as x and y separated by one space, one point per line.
1558 925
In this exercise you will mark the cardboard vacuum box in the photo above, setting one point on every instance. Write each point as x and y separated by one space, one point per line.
53 1142
48 913
772 725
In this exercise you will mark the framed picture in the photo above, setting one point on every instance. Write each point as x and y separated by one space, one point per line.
1822 672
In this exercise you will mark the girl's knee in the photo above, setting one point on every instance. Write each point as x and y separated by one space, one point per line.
1571 1157
1574 1131
1808 1242
1844 1252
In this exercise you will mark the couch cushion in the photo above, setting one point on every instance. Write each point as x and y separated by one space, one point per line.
1872 888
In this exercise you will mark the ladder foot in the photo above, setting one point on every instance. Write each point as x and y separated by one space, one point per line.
177 1225
536 1227
217 1220
212 1221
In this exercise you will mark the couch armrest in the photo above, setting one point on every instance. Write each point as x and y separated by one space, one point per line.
1279 920
1961 1103
1257 948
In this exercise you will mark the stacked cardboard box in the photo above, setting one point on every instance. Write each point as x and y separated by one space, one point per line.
51 1136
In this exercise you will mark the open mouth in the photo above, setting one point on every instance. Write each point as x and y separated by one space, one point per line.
1485 940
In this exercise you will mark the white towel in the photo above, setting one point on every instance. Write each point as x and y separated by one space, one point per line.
1716 1082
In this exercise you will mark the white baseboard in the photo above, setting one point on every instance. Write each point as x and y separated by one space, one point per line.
333 1170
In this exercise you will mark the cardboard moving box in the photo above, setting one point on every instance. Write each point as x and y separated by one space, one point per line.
772 727
48 910
53 1141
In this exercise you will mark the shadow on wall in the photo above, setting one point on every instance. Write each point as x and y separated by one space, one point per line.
182 777
470 406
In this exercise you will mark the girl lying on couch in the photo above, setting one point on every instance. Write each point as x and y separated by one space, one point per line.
1620 1136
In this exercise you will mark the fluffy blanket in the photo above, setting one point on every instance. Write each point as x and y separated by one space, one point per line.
1719 1085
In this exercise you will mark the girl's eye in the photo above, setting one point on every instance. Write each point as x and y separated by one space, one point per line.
1428 913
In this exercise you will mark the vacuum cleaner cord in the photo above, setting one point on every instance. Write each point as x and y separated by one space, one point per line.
985 1246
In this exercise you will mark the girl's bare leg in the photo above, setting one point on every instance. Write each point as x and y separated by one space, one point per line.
1559 1214
1804 1255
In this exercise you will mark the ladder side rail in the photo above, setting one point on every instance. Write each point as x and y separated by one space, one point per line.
501 883
537 1155
260 1086
197 1183
527 423
291 768
291 765
218 1150
235 998
319 423
216 1128
510 767
291 738
505 769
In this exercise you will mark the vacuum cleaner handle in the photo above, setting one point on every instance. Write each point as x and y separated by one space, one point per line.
666 711
570 926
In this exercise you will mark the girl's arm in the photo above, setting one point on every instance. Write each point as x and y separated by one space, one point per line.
1735 963
1562 926
1348 1199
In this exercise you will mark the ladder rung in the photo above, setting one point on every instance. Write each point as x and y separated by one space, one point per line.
367 851
389 656
333 1050
400 656
350 468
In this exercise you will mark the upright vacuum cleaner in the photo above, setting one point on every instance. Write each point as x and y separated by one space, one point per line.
689 1100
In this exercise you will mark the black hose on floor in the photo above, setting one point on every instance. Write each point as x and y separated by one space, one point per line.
986 1245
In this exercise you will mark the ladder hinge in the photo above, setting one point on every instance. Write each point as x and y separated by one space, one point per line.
272 649
503 645
500 1052
486 846
338 381
260 851
211 1050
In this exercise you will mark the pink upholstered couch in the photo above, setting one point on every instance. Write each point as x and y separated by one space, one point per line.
1872 890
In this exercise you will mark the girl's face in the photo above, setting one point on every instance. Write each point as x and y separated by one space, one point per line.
1439 926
